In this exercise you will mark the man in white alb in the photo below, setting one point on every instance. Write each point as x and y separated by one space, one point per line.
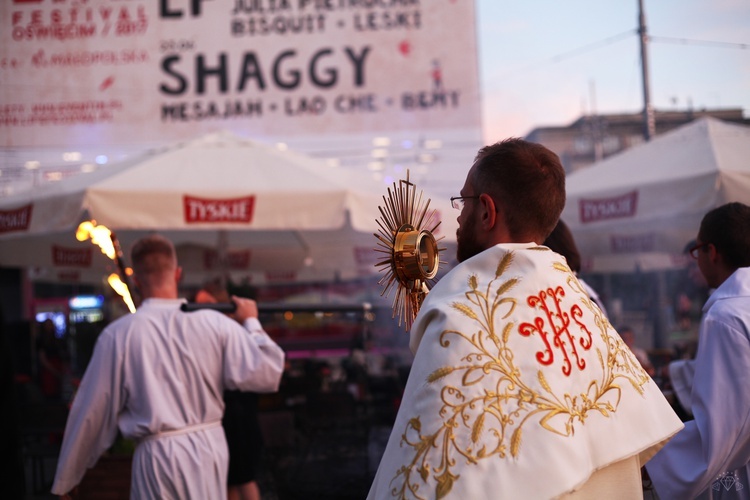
158 375
710 457
520 387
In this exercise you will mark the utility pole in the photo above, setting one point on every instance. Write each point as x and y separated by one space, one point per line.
649 125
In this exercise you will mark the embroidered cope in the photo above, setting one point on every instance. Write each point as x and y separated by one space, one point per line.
520 387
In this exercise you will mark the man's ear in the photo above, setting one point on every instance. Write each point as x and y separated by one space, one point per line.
718 263
488 211
717 258
178 274
713 254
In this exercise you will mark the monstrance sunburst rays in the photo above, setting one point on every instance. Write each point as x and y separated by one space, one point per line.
412 256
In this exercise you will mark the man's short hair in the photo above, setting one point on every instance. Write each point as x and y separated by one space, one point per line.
728 229
153 254
526 180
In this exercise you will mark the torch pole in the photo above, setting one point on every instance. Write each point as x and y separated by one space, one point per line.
119 260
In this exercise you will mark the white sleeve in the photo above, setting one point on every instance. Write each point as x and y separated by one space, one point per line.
254 362
682 374
718 440
91 428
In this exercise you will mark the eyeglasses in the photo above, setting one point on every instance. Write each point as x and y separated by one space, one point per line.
694 250
457 202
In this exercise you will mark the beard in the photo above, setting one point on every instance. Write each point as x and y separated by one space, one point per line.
467 245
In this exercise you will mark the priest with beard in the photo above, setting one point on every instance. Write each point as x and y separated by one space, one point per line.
519 387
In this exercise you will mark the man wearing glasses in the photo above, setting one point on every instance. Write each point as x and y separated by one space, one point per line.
519 387
710 457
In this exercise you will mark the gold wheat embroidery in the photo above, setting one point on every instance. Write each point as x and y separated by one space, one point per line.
481 423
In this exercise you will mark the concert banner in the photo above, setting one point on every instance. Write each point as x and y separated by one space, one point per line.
140 71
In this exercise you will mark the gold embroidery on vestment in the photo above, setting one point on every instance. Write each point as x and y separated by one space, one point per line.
479 422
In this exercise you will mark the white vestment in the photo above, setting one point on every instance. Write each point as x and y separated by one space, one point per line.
519 388
681 375
710 457
158 375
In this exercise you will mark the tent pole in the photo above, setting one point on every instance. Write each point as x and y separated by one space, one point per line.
222 254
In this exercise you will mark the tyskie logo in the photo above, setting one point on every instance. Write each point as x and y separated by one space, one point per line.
200 210
608 208
17 219
71 257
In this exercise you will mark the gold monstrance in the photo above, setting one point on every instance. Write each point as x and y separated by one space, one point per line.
412 254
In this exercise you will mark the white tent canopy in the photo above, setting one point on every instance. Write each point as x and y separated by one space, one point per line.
639 208
278 215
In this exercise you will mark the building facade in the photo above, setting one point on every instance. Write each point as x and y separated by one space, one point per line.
592 138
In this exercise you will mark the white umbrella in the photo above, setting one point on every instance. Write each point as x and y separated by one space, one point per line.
281 216
639 208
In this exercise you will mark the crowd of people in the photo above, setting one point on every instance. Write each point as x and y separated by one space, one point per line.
517 372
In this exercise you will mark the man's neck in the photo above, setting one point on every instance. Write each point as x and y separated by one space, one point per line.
160 293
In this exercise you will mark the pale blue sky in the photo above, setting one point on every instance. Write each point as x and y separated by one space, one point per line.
524 87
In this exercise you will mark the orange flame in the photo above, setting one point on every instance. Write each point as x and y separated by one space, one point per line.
103 237
99 235
122 290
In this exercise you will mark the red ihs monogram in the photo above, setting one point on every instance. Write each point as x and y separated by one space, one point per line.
559 322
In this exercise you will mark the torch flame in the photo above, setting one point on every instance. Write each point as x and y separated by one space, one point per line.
107 242
100 235
122 290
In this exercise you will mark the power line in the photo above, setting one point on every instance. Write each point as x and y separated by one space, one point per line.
592 46
614 39
569 54
707 43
